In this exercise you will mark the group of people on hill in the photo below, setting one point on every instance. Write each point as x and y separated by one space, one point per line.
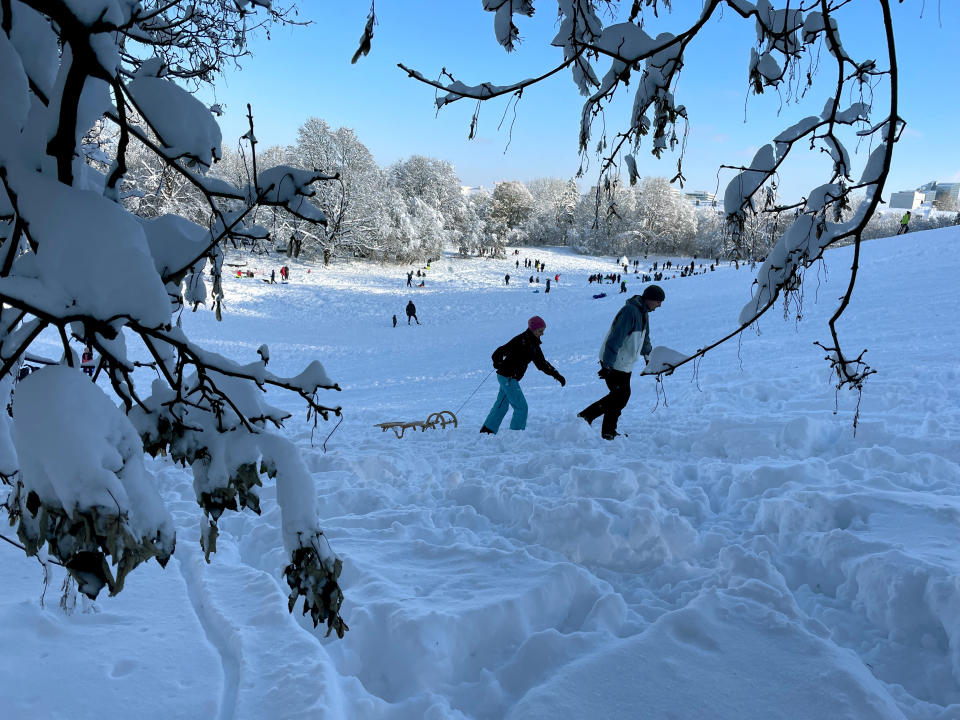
655 273
598 278
535 280
535 264
627 340
284 274
419 275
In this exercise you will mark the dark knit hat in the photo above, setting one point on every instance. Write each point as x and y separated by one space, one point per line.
536 322
654 292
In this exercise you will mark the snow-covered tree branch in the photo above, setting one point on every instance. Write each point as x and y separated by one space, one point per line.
791 40
77 265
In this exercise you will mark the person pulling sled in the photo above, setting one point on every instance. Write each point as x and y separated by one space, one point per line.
511 361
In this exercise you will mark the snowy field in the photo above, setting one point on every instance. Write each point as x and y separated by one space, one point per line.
741 555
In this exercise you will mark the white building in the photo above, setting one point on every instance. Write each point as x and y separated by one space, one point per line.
948 196
942 196
701 197
907 199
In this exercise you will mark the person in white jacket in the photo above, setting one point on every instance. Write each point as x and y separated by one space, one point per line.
627 339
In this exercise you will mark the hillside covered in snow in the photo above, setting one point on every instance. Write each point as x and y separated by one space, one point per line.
741 554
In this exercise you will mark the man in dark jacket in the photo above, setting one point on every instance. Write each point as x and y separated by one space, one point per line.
510 361
411 312
626 340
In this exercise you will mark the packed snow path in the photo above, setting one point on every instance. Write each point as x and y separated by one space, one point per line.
741 555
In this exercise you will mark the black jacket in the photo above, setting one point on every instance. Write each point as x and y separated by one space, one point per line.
511 360
411 309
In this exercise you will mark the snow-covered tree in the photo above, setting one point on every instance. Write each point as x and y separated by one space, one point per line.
510 207
607 228
665 221
434 183
511 204
266 229
565 206
708 239
432 180
354 206
150 188
636 47
77 267
553 214
475 234
756 233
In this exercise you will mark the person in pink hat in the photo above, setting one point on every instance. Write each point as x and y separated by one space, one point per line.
511 361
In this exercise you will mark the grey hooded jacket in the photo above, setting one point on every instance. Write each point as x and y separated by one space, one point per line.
628 336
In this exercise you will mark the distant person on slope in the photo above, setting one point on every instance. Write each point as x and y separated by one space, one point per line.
626 340
510 361
411 312
904 223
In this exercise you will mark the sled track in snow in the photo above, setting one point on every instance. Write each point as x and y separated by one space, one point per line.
194 571
217 629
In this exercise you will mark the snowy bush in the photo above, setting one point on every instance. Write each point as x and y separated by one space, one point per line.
76 265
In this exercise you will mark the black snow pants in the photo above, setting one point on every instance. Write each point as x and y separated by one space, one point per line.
611 404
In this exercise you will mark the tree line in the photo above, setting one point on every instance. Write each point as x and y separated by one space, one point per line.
413 208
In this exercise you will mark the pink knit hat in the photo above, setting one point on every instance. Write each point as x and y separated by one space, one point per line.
536 322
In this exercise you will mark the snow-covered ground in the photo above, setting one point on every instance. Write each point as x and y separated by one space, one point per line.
741 555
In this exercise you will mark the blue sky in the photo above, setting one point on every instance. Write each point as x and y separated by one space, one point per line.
304 72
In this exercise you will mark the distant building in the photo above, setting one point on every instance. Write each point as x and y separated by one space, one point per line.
701 197
906 199
929 192
942 196
948 196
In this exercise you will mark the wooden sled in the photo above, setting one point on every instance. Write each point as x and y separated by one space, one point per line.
433 419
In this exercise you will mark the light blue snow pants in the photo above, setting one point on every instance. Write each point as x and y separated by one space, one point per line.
510 395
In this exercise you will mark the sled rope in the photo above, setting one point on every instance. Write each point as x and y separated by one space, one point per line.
475 391
332 432
442 418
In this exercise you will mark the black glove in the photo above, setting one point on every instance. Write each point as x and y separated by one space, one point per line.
561 379
603 372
